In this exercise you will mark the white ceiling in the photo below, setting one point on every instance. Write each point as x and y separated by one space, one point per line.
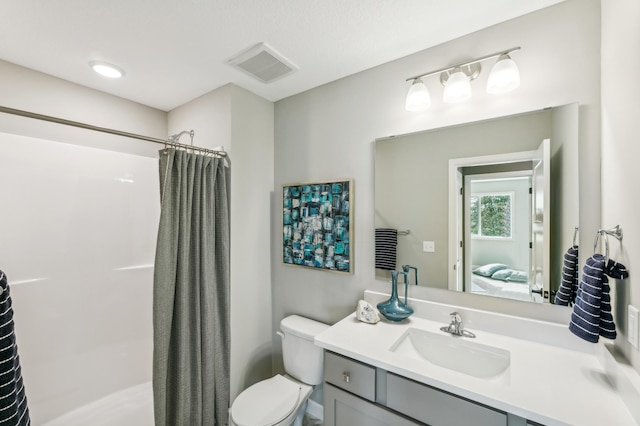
176 50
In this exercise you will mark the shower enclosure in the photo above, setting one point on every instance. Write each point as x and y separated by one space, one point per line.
78 235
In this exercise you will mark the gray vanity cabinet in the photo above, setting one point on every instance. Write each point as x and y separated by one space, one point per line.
357 394
350 395
353 376
345 409
435 407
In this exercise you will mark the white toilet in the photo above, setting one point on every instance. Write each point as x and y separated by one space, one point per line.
282 400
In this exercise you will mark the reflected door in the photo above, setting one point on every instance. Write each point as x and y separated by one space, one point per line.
541 224
499 232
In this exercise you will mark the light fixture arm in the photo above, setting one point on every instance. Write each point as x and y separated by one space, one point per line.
464 64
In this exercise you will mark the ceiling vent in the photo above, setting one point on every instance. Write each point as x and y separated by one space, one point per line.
263 63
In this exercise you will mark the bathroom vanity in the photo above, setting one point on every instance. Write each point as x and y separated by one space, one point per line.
375 396
522 372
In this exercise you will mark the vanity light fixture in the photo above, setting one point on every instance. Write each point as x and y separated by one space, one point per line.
504 75
106 70
456 79
457 87
418 98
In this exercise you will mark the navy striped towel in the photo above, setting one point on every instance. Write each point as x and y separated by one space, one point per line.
386 248
566 294
13 400
591 317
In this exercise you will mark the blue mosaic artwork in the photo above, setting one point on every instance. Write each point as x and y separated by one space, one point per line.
316 219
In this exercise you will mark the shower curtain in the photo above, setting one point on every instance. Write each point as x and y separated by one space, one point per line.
191 292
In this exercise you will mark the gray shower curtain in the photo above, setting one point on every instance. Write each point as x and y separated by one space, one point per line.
191 292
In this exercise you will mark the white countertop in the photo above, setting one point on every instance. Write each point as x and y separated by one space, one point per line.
544 383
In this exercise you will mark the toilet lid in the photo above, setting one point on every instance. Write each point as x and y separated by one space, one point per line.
266 403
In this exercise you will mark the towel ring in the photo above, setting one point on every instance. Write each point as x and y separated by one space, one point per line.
615 232
606 245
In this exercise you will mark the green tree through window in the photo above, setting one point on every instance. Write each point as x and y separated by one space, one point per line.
490 215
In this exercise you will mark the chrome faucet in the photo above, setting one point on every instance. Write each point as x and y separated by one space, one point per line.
456 327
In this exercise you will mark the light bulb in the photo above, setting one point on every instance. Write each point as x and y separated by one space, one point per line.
106 70
504 76
457 88
418 98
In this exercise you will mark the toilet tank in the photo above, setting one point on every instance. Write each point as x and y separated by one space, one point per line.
302 359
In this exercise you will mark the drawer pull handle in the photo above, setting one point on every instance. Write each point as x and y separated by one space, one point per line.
346 377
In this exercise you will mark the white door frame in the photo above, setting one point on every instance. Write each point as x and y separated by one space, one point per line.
455 209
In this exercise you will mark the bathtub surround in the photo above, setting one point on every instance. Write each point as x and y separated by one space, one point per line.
78 236
191 305
13 399
132 406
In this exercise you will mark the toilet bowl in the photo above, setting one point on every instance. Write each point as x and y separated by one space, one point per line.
282 399
275 401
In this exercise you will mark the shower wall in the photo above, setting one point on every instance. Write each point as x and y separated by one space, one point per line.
78 228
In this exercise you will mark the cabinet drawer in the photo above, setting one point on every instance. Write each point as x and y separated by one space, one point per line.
344 409
437 408
350 375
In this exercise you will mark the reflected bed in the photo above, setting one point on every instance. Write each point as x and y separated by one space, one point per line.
499 288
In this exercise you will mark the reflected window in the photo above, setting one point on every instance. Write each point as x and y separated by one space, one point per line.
491 215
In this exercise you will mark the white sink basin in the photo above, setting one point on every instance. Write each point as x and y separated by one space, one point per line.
455 353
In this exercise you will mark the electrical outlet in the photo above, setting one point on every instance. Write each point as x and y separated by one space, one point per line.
429 246
632 326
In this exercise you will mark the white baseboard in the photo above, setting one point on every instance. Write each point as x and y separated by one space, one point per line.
315 409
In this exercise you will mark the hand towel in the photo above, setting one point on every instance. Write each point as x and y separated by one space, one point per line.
566 294
607 326
13 400
591 317
386 248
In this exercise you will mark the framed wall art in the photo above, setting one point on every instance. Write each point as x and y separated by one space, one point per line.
317 225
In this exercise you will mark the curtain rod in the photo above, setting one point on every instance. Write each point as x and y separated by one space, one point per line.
57 120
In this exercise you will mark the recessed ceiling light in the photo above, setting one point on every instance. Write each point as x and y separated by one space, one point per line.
106 70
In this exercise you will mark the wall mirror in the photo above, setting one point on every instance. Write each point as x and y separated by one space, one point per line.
477 208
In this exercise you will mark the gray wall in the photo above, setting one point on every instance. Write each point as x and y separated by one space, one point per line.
29 90
620 151
327 133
